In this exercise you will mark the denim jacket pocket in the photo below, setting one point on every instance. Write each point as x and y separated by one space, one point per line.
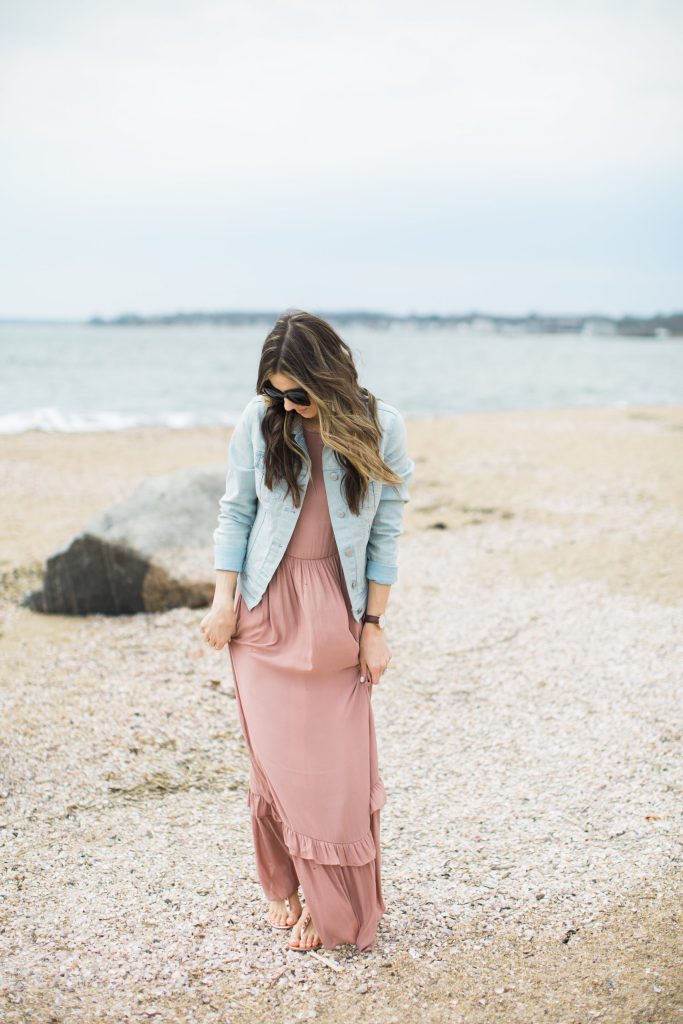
278 500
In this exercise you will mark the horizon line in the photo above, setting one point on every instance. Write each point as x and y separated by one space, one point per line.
265 314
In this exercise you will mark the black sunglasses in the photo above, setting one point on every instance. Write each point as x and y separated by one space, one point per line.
296 395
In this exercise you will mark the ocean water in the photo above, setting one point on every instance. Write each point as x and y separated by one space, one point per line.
76 378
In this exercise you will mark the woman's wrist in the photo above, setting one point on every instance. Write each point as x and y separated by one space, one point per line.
226 582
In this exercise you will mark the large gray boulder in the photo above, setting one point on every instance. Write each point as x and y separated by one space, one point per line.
149 553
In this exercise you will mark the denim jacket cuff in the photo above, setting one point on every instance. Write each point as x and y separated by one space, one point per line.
231 559
380 572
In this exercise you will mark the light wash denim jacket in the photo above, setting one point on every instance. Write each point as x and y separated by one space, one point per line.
255 524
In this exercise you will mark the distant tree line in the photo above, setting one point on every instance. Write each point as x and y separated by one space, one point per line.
655 326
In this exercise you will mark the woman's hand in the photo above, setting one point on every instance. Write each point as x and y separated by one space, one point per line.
218 625
375 654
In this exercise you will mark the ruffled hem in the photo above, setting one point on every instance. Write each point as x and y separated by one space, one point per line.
354 854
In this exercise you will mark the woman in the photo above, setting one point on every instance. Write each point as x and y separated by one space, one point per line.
305 555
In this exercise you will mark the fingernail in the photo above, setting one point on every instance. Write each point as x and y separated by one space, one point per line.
362 679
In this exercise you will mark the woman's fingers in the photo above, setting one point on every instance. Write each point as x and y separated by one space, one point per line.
216 629
370 676
376 673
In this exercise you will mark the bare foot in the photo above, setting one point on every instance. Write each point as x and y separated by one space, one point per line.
278 914
304 934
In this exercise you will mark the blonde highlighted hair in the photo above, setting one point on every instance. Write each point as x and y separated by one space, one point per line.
307 349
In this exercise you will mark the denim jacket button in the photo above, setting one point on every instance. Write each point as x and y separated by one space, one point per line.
334 476
348 551
341 512
353 583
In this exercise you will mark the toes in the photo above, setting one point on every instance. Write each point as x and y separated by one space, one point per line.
304 935
277 915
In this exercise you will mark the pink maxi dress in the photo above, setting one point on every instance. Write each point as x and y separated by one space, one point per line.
314 788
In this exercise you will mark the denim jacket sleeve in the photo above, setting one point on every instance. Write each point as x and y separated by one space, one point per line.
387 525
237 507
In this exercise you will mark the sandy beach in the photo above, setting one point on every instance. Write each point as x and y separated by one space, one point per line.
529 733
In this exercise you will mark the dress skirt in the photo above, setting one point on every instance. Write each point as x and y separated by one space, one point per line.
314 788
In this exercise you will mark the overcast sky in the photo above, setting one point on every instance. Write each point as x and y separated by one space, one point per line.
507 157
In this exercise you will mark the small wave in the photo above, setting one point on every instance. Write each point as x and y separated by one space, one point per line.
53 420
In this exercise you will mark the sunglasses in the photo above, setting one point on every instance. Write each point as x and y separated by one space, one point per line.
297 395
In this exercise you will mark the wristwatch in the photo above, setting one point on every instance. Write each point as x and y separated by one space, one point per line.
380 620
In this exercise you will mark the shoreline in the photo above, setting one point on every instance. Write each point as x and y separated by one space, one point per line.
136 427
591 480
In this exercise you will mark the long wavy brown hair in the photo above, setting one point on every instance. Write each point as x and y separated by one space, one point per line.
307 349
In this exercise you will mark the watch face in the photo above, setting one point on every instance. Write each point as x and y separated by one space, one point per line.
382 620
